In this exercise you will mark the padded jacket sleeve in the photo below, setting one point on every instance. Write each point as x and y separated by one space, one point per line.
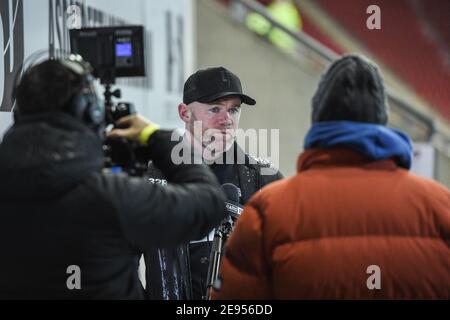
152 215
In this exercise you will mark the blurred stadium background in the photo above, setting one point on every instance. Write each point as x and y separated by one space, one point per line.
412 49
281 69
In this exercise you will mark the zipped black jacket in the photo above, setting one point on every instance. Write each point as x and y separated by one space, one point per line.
180 273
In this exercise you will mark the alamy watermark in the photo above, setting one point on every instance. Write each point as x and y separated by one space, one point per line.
374 280
210 146
73 17
74 280
374 20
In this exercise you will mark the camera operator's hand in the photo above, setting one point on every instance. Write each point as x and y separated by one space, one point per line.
132 125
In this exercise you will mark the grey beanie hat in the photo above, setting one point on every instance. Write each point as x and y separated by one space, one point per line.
351 89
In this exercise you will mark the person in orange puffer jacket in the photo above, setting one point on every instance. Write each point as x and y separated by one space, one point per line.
353 223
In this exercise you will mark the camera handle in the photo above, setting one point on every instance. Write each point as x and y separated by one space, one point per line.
108 94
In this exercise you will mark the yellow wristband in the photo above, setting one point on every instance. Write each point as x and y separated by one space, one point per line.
147 132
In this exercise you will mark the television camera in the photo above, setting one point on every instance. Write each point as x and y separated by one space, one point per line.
115 52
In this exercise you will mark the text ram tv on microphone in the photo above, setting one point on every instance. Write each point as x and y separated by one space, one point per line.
232 204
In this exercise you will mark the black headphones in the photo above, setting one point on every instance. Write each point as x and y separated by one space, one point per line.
84 103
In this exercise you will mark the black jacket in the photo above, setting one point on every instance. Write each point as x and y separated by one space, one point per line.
58 209
181 272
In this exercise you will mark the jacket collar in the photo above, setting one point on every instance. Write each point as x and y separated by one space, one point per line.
340 157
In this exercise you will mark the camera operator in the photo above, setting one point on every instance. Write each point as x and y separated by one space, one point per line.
69 230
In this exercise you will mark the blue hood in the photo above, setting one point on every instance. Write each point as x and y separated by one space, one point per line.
377 142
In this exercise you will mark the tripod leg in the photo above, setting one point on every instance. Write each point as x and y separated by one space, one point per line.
214 263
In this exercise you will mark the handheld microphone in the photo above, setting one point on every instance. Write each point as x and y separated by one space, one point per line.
232 204
222 233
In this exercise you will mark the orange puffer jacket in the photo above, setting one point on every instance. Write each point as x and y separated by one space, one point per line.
344 227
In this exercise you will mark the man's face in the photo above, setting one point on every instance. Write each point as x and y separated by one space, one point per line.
215 123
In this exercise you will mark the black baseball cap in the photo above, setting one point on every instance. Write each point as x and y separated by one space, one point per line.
210 84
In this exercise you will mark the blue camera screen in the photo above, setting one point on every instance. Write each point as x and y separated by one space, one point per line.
124 49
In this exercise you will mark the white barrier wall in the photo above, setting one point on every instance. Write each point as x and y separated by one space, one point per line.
31 25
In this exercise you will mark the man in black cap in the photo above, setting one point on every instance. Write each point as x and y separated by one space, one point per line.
211 110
